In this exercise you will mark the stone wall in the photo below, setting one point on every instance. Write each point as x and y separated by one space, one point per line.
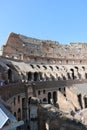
73 98
50 120
45 51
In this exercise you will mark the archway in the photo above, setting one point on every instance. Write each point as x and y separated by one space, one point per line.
35 76
68 75
72 73
44 100
76 68
80 100
49 97
41 77
19 114
10 75
15 114
54 97
64 78
29 76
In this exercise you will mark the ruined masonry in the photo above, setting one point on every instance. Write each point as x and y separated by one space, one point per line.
53 75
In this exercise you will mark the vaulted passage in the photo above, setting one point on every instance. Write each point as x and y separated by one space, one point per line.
19 114
35 76
68 75
10 75
80 100
41 78
29 76
72 73
54 97
49 97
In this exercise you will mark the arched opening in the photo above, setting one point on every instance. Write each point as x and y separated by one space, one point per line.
29 100
38 66
41 78
15 114
44 100
64 91
44 67
60 89
54 97
72 70
18 98
68 75
76 68
29 76
32 66
52 77
51 68
83 68
49 97
19 114
64 78
80 100
57 67
10 75
35 76
59 78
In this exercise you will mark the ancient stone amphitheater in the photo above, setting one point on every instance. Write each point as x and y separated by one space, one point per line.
59 74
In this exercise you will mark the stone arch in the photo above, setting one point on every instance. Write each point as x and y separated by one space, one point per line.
52 77
83 68
15 114
49 97
80 100
72 70
57 67
45 67
38 66
9 74
47 78
29 100
35 76
51 68
68 75
77 71
29 76
64 78
19 114
64 89
60 89
76 68
44 100
54 97
41 77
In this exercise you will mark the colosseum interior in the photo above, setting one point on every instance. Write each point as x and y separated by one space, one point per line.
47 78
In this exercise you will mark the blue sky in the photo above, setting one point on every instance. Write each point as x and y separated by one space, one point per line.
64 21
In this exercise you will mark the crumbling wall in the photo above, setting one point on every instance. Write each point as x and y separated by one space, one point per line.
64 104
72 97
48 120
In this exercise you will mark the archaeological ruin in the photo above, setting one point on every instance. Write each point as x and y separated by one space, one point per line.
45 82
